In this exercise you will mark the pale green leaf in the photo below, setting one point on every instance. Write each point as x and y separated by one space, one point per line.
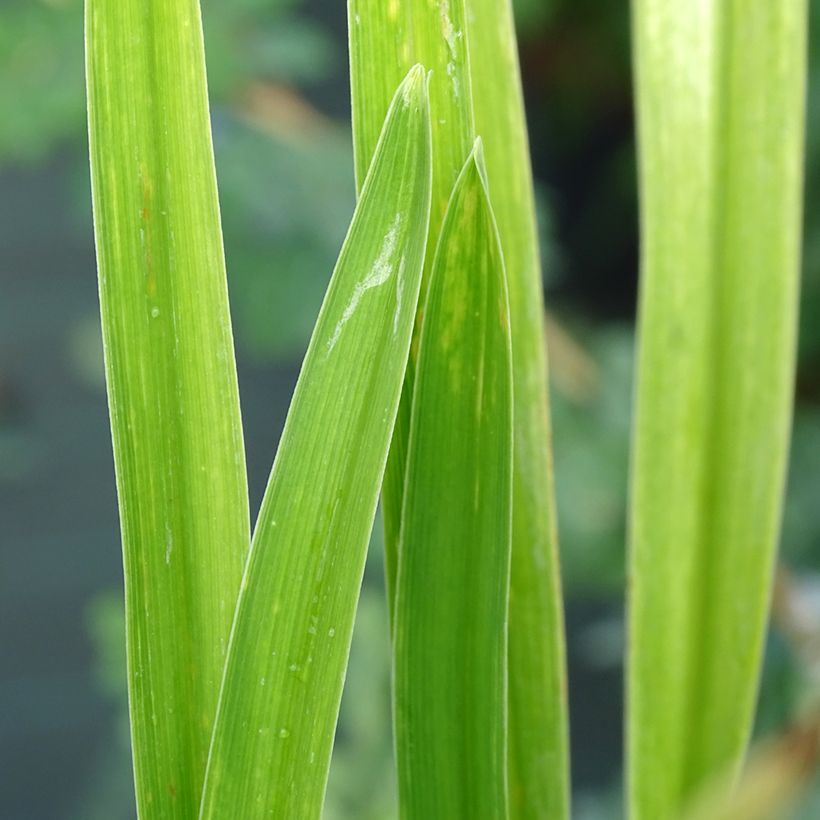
386 38
539 754
453 580
171 381
291 636
721 108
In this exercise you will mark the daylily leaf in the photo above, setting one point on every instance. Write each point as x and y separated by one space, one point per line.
470 44
721 87
539 743
454 556
171 382
291 636
386 38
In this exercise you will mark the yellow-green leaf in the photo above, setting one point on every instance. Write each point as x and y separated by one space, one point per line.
721 88
539 754
453 580
386 38
171 382
470 44
291 636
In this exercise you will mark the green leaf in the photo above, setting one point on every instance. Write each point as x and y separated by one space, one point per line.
386 38
291 636
171 381
539 756
721 111
453 580
470 44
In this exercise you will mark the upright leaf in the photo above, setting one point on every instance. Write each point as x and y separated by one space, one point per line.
291 636
721 107
453 580
386 38
171 381
539 757
471 46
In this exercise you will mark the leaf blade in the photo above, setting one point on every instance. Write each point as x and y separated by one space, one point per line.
381 41
721 109
385 40
280 696
539 742
171 381
453 581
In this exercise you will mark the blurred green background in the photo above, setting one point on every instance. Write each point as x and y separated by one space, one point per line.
278 81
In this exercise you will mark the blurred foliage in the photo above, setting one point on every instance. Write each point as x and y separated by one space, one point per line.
285 207
41 52
285 180
810 302
591 449
110 793
534 13
591 443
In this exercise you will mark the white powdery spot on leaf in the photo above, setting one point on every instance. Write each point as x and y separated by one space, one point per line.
447 27
451 37
378 275
399 292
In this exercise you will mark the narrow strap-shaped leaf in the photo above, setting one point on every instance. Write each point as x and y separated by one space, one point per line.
386 38
452 586
171 381
539 757
721 110
291 636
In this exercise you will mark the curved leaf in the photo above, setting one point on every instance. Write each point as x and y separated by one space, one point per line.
291 636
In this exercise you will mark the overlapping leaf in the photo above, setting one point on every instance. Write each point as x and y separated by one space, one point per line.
290 640
453 580
385 40
539 753
471 46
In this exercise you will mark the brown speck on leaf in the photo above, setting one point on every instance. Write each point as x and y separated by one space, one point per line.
147 244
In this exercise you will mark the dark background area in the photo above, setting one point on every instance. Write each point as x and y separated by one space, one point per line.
279 88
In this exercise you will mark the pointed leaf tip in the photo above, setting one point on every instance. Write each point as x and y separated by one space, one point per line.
288 651
414 86
476 159
462 395
478 150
